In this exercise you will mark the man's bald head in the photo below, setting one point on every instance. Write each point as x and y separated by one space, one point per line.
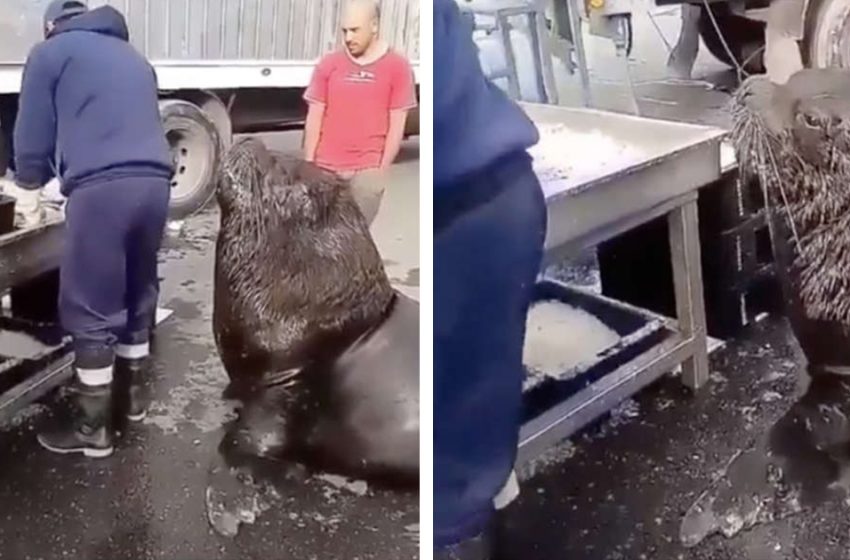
360 23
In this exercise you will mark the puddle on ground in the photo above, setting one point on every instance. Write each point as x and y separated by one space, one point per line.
801 462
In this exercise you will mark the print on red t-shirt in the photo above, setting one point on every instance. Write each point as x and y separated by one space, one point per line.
358 100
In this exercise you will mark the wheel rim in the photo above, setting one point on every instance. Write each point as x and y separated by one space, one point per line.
191 152
833 41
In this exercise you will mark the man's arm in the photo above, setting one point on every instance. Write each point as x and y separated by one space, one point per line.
395 134
35 128
316 97
402 100
313 130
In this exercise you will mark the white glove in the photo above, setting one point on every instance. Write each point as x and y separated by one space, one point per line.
28 210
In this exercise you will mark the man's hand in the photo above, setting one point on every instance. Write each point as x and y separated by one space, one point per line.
28 210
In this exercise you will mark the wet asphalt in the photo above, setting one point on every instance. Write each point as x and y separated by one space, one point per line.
745 447
155 496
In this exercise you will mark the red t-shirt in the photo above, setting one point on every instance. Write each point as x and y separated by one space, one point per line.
358 100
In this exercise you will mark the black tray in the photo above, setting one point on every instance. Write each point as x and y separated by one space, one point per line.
639 330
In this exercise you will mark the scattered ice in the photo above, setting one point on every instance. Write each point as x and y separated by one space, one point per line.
771 396
554 455
664 404
718 377
412 532
24 416
579 156
774 376
625 412
358 487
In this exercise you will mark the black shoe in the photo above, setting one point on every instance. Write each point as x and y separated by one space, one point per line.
132 399
477 548
90 429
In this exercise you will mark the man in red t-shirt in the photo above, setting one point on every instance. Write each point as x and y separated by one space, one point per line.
359 98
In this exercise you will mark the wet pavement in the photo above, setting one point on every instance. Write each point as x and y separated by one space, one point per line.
753 467
155 497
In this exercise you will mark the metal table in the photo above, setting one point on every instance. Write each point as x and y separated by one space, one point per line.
28 253
24 255
680 159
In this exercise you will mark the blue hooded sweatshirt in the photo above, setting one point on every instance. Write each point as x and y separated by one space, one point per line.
89 100
475 123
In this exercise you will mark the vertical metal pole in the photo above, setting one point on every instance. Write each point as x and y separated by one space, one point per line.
683 224
578 47
510 57
147 38
537 55
546 54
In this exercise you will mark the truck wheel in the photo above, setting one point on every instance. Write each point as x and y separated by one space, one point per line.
827 37
745 38
196 149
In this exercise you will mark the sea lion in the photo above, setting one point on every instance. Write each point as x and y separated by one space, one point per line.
321 349
796 139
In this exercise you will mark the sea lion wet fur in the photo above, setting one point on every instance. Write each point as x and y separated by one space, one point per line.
323 350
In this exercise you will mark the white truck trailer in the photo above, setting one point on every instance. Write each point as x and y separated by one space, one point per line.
224 67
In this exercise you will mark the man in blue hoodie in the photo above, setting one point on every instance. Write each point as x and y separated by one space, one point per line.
489 228
89 114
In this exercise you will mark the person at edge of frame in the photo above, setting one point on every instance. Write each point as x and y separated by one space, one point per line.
489 230
91 98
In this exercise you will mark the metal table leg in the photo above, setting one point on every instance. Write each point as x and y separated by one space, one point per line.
510 56
578 47
543 60
687 279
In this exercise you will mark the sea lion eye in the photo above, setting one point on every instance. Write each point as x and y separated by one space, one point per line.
810 120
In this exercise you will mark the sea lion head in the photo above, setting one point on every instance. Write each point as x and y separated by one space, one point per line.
283 188
821 126
295 263
812 110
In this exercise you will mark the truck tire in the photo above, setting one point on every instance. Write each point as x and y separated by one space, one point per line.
827 38
197 151
745 38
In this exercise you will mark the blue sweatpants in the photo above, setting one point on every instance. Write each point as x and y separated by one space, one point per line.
488 245
108 279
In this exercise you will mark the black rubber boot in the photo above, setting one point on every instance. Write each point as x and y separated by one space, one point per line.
90 430
132 399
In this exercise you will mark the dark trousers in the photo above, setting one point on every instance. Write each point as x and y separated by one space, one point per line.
108 281
488 246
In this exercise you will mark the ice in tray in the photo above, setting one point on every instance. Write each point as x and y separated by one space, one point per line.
560 339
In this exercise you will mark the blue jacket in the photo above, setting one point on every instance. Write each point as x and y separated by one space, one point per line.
475 123
88 107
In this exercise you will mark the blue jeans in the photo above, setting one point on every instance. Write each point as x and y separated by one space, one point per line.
108 278
488 245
